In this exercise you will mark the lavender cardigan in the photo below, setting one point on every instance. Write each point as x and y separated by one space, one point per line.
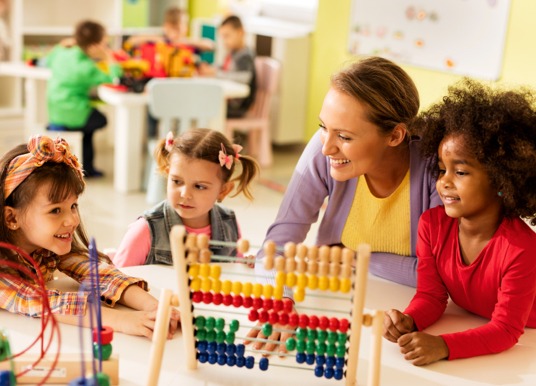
311 183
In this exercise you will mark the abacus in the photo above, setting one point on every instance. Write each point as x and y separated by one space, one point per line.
327 346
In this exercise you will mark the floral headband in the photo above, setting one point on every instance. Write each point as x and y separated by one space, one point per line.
41 149
227 160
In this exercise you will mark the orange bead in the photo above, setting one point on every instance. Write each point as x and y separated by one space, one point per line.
346 271
242 246
290 264
202 241
334 269
323 253
348 256
301 266
312 254
312 267
268 262
301 251
205 255
335 254
269 248
279 263
323 269
290 250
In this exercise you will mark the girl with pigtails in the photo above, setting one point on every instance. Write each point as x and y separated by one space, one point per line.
202 168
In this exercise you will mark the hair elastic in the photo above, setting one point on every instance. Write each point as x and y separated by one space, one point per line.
227 160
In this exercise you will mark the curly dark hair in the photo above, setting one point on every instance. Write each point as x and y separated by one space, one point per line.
499 130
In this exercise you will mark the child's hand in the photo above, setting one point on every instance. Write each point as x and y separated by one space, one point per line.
276 336
250 261
396 324
100 52
206 69
422 348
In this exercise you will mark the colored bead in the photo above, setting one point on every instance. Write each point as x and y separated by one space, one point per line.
342 338
322 335
204 270
211 336
310 359
283 318
313 321
201 334
299 294
311 334
344 324
212 358
257 290
220 336
207 297
206 284
281 278
240 350
323 323
268 262
200 321
221 348
215 271
231 360
263 364
222 359
237 287
220 324
346 285
197 297
217 299
301 267
323 283
341 351
300 346
253 315
334 324
247 289
330 361
323 269
238 301
304 321
216 285
202 345
288 305
267 291
234 325
227 299
248 302
310 347
334 284
250 362
293 320
106 351
302 280
210 323
346 271
193 270
212 347
328 374
320 360
231 349
312 282
240 361
267 304
279 263
321 348
290 344
230 337
278 292
278 305
319 371
332 337
301 333
226 287
291 279
203 357
300 357
257 303
312 267
263 316
330 350
289 249
273 317
195 284
339 363
338 374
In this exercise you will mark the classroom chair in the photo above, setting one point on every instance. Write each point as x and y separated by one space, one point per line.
257 119
189 102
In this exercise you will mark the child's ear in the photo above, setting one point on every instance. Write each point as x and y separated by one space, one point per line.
398 135
11 217
225 190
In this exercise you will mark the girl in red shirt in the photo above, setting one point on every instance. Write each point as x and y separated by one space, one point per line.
475 248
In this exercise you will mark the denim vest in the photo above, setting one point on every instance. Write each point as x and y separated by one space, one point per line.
163 217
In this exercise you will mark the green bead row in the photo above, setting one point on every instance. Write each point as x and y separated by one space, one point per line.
320 348
311 334
215 336
210 323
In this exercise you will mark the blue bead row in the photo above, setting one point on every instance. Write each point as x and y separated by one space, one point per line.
328 372
229 360
221 348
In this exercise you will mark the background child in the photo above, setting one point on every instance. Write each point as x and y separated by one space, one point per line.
239 64
199 165
74 74
40 185
475 248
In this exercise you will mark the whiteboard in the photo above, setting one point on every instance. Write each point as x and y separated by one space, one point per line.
465 37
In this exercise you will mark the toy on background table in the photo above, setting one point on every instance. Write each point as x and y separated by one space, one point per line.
47 368
322 343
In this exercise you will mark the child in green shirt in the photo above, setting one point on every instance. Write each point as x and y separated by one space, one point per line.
74 74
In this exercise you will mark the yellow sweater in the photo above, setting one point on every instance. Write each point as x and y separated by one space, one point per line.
384 223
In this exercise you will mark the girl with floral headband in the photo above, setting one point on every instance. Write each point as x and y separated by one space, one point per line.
200 166
40 184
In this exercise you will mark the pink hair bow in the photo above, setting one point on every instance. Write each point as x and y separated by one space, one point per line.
170 141
227 160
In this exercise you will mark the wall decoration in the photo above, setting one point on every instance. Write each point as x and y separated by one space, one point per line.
460 36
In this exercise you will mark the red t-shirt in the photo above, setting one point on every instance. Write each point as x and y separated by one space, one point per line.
499 285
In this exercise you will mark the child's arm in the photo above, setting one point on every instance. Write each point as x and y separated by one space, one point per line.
135 246
396 324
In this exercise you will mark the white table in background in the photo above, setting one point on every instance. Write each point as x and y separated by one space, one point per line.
516 366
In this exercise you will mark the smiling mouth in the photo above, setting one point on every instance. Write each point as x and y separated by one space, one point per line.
185 206
63 236
334 161
449 199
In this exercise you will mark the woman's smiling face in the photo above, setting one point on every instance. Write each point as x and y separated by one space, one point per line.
354 145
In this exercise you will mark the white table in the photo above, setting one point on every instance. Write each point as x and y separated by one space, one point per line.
130 112
516 366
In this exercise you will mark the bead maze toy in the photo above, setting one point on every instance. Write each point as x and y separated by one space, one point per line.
25 368
326 345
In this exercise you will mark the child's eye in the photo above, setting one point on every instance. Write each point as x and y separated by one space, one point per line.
200 187
461 173
322 127
74 206
442 171
176 182
343 138
55 211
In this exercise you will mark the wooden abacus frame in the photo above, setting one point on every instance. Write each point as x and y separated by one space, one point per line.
187 250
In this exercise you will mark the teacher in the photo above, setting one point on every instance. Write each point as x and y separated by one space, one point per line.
364 160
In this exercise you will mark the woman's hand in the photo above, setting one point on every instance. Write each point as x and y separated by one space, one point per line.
421 348
397 324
